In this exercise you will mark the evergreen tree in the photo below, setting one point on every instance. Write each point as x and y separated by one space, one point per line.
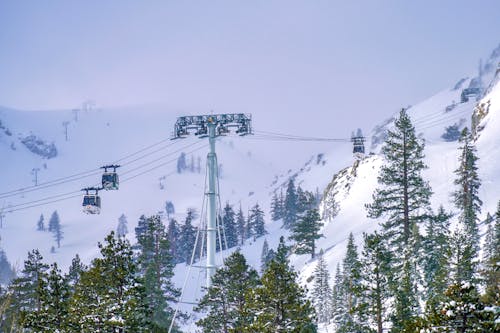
339 299
321 292
305 232
275 208
6 271
52 315
181 163
230 227
290 206
352 287
256 221
109 296
40 226
156 266
224 302
141 227
461 256
467 201
174 232
302 201
403 199
375 280
491 271
263 256
28 289
54 221
241 225
169 209
279 304
122 229
436 251
249 230
55 228
75 272
462 311
188 236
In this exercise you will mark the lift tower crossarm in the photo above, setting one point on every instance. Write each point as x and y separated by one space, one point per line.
212 126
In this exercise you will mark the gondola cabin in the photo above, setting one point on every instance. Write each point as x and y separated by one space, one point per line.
91 204
110 181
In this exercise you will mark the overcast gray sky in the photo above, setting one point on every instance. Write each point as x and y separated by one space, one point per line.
322 63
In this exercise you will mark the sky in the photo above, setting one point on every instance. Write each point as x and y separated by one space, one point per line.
319 67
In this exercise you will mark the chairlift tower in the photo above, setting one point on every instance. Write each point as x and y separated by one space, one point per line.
212 126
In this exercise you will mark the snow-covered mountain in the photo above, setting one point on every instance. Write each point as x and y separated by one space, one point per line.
65 149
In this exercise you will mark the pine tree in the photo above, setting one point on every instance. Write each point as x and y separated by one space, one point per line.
52 316
435 259
122 229
6 271
403 199
141 227
241 225
181 163
224 302
305 232
174 232
109 296
275 207
230 227
28 289
375 280
256 221
264 255
155 265
467 201
290 206
40 226
352 287
188 236
461 255
339 299
491 272
54 221
321 292
169 209
75 272
302 201
279 304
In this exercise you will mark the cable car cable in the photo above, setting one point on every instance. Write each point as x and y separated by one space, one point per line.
83 174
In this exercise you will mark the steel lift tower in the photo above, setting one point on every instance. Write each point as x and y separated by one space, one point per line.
212 126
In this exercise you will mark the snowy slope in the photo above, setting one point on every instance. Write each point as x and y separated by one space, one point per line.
98 137
101 137
353 186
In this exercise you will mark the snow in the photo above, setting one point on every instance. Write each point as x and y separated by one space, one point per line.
103 136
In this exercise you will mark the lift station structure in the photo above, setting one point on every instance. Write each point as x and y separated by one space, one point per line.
212 126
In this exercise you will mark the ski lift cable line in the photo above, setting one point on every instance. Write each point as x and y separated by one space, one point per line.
80 175
160 165
299 137
450 116
97 185
44 203
279 138
438 115
161 157
41 187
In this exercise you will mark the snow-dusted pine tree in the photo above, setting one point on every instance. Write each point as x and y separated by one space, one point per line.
466 199
121 229
321 291
403 198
